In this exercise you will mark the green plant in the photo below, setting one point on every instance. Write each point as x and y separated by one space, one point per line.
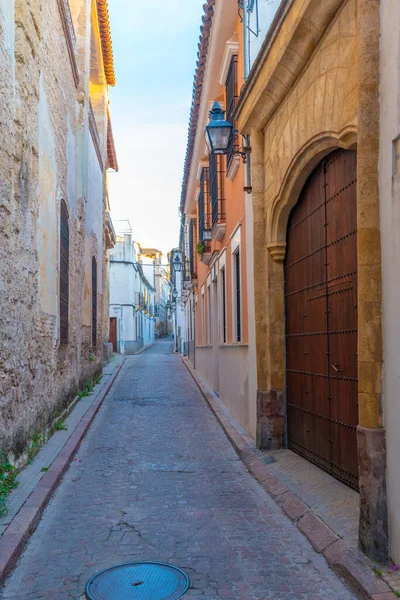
201 247
82 394
60 426
397 594
92 357
378 572
45 469
34 448
8 482
97 379
88 386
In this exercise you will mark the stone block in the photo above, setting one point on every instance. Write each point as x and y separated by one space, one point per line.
292 506
318 534
270 419
374 530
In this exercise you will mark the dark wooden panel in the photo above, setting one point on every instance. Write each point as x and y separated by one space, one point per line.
113 332
321 319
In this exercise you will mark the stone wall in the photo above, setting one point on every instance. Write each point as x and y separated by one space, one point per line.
44 158
315 88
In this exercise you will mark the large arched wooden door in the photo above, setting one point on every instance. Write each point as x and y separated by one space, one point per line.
321 319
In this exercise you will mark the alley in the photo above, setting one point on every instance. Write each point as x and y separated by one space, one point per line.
157 479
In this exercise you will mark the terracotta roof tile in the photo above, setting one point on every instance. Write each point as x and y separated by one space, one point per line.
205 31
106 42
112 162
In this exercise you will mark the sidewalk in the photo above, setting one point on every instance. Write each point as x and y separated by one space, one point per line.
323 509
38 480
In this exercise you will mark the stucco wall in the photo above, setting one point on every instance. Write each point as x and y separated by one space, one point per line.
233 373
41 163
390 228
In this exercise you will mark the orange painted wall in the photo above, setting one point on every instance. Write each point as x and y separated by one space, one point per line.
235 215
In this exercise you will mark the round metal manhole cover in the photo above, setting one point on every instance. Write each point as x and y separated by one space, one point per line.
138 581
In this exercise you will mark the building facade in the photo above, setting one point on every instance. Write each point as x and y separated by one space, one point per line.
163 290
132 295
316 233
389 188
56 146
216 240
311 107
177 303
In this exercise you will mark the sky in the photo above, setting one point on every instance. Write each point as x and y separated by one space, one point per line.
155 52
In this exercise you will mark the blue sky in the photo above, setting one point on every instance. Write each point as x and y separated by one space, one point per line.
155 51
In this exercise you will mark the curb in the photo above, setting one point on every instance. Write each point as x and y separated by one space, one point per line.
15 537
348 563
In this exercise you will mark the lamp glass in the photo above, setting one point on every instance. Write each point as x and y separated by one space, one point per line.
218 131
177 264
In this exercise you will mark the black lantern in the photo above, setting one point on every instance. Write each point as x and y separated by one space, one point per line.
218 131
177 264
174 294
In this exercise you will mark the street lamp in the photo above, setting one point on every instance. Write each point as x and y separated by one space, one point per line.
218 131
220 134
174 294
177 264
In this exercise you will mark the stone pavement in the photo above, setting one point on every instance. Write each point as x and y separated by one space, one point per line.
157 479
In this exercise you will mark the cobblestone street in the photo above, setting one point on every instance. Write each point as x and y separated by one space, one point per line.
157 479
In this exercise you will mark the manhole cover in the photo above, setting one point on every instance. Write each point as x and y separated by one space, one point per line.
138 581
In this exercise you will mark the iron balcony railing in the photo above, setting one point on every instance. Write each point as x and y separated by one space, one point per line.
193 248
216 187
231 100
204 208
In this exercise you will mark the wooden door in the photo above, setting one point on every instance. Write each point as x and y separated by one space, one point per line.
321 319
113 332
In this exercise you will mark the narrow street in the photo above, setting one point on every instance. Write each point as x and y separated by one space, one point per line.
157 479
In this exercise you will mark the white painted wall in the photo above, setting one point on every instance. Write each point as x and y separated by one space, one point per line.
390 232
135 329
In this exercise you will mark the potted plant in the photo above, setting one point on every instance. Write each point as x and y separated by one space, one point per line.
201 247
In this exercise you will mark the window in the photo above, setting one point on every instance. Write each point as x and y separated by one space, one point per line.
236 297
223 305
94 301
231 99
64 273
204 208
193 248
217 202
203 319
209 314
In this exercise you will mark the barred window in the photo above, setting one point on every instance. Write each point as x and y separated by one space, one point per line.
216 188
94 301
64 273
231 100
204 208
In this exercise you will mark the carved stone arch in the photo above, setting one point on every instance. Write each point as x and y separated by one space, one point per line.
301 167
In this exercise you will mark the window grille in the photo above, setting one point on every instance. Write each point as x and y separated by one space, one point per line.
216 178
237 297
231 100
94 301
64 273
193 248
223 295
204 207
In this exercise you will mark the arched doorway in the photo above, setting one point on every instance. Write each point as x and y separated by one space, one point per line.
321 319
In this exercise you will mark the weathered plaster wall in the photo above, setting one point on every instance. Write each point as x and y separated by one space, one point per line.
42 161
390 229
